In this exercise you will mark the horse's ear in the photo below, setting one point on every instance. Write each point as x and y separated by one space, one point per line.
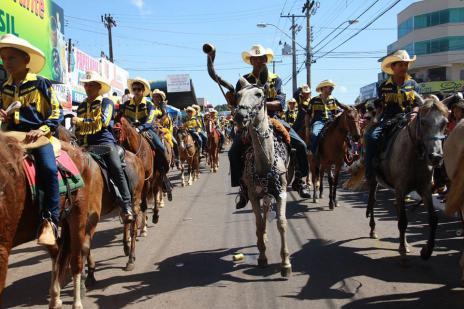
243 82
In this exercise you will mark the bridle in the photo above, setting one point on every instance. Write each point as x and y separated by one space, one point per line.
417 138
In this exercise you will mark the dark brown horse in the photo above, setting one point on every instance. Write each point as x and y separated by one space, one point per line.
331 152
19 219
131 140
213 144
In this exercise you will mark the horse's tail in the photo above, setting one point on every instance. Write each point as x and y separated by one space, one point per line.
455 198
356 181
64 252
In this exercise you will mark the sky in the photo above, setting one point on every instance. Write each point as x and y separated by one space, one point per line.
155 38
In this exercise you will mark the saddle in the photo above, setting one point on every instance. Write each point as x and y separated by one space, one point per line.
391 129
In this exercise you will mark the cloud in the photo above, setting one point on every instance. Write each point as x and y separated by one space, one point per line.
138 3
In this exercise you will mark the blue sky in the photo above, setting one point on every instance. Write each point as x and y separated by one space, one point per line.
156 38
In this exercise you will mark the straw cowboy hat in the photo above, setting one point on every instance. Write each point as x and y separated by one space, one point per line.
292 100
191 109
142 81
196 107
325 83
399 55
213 111
21 136
257 51
305 89
160 93
92 76
37 57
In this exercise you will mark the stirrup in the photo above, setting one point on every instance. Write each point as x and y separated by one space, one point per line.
47 233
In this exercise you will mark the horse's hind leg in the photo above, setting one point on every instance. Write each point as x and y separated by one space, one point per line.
427 249
402 224
260 231
321 183
370 207
55 287
331 189
132 227
335 184
286 266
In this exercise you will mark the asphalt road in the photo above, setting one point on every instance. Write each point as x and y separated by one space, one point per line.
186 260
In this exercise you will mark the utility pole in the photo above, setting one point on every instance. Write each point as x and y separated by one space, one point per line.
69 54
109 22
309 9
294 31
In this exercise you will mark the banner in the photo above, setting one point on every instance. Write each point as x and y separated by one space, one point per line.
41 22
178 83
80 63
443 86
116 76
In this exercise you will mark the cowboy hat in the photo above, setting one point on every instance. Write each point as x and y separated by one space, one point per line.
305 89
37 57
213 111
21 136
292 100
190 109
92 76
398 56
325 83
160 93
257 51
142 81
196 107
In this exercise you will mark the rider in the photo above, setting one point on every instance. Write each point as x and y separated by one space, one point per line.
302 97
322 109
141 113
39 115
93 128
193 125
292 112
201 131
397 94
258 56
213 114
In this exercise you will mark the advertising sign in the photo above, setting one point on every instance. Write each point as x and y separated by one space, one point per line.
80 63
41 22
443 86
116 76
178 83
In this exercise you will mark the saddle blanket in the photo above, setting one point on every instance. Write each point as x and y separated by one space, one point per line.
68 174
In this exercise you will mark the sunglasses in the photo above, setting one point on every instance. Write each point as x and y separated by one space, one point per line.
135 89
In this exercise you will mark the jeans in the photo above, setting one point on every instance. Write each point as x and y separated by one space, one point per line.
160 159
301 168
197 138
372 140
47 172
113 162
315 134
204 139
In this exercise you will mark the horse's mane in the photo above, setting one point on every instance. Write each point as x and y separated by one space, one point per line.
434 103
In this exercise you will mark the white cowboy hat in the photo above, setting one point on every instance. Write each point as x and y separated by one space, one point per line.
142 81
160 93
196 107
292 100
190 109
92 76
37 57
305 89
325 83
213 111
258 51
397 56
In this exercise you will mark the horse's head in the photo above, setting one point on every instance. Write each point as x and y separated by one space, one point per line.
431 123
122 130
251 99
351 123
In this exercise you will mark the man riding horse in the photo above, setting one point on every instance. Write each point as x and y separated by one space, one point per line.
258 56
397 94
322 109
302 97
38 114
93 129
291 113
141 113
193 124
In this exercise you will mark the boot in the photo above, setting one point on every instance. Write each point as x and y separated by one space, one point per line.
47 233
243 198
299 186
127 215
167 187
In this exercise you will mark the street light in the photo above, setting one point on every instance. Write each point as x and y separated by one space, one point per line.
350 22
264 25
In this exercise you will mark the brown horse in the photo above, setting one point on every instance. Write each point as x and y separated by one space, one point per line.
19 217
163 132
131 140
102 201
188 153
331 152
213 145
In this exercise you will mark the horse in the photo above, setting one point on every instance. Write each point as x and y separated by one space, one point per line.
266 160
131 140
20 222
331 151
102 201
164 134
407 166
213 145
453 155
188 153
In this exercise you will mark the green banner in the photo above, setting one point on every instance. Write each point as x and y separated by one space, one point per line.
41 22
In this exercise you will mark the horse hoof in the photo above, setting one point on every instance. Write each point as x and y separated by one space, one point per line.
373 235
314 200
336 204
262 262
90 281
183 184
129 267
143 234
286 271
161 204
155 219
321 196
331 206
56 304
126 249
169 196
426 253
77 306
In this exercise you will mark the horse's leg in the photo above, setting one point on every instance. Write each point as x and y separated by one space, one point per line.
402 224
370 207
331 185
314 179
132 227
335 184
143 208
125 240
182 177
321 182
260 230
156 189
55 287
190 172
427 249
286 266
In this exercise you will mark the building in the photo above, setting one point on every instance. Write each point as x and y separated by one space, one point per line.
433 30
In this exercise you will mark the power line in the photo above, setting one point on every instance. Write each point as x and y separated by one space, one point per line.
368 24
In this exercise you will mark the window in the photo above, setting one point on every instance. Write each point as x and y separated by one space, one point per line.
422 48
456 15
461 75
405 27
437 74
436 46
421 21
